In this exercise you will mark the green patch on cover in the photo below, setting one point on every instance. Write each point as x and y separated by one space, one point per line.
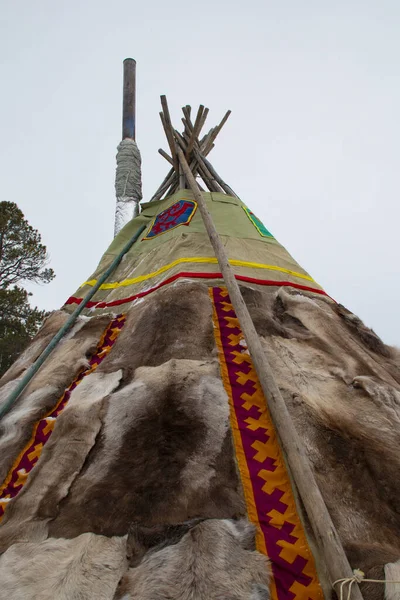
262 230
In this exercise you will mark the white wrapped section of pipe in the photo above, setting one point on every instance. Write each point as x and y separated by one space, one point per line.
128 183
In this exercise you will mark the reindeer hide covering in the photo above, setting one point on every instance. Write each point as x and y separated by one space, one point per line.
141 462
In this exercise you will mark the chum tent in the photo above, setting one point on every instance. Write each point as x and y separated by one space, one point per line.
200 420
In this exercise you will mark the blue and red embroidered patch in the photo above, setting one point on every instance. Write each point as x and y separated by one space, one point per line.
179 213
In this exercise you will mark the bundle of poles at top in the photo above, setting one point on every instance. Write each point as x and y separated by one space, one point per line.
196 151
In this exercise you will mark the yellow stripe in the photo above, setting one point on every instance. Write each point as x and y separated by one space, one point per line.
194 259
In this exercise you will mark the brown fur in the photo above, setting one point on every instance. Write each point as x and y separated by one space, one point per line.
269 315
142 538
165 327
345 401
48 385
367 336
150 443
26 518
162 421
210 560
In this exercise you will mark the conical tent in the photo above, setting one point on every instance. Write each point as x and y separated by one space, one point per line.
145 459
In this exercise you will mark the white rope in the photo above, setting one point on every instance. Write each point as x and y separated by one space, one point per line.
128 183
358 577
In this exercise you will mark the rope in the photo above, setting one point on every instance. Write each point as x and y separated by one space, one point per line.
358 577
34 368
128 183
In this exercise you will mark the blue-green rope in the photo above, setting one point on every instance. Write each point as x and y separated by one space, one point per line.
33 369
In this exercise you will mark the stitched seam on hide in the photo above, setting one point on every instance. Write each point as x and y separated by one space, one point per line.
42 430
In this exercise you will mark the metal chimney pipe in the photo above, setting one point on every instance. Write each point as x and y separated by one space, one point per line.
129 100
128 176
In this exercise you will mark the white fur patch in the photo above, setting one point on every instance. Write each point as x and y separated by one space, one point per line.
392 573
92 389
85 567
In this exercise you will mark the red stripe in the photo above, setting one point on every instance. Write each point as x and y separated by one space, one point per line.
74 300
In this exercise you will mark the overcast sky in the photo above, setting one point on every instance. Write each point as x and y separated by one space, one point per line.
312 145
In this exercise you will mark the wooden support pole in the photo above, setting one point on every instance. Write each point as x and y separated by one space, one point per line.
166 156
195 132
205 138
188 130
182 142
214 134
180 139
166 121
324 530
164 185
186 114
173 188
203 118
182 183
186 137
170 140
227 189
189 125
208 177
195 167
129 100
204 143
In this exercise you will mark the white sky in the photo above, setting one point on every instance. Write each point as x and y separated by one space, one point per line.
311 145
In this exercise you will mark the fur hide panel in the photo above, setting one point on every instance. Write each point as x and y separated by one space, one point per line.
145 440
211 560
16 427
342 390
165 435
176 323
83 568
48 384
62 459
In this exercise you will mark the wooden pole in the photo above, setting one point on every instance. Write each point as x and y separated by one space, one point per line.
215 132
164 185
203 118
166 121
201 168
186 114
170 139
325 532
227 189
166 156
129 100
173 187
182 183
195 132
208 177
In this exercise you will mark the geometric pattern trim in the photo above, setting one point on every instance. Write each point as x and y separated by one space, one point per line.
178 214
266 484
262 230
43 429
191 275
